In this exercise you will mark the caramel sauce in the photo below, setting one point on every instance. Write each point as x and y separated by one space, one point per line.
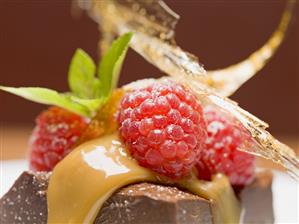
92 172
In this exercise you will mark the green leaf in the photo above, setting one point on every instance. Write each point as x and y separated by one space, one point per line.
111 63
92 104
81 76
49 97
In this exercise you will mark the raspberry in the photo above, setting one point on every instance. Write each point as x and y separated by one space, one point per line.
163 128
221 154
52 139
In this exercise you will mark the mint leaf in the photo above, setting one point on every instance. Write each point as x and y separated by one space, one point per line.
49 97
81 76
111 63
92 104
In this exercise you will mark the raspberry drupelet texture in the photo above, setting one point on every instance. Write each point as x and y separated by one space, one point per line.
52 139
163 128
222 154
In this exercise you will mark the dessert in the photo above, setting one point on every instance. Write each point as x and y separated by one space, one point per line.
154 151
157 134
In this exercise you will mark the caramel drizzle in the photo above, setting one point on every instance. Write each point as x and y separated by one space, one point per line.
154 40
91 173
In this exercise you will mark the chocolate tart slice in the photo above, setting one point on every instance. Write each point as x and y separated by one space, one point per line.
26 202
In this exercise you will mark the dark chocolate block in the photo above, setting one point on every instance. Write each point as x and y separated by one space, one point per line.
150 203
26 200
140 203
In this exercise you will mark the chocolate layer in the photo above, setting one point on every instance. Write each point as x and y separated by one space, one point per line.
140 203
151 203
26 200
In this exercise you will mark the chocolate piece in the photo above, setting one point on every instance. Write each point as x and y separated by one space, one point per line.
142 203
151 203
257 200
26 200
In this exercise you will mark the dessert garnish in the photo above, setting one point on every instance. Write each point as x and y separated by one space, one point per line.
58 128
221 154
163 128
55 133
153 23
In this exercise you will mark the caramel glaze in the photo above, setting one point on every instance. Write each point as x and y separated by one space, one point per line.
92 172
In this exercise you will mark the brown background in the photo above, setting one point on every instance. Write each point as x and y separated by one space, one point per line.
37 39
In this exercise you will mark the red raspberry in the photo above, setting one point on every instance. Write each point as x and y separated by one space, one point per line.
163 127
221 154
52 139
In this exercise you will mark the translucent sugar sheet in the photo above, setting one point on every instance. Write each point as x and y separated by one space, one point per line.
262 143
153 24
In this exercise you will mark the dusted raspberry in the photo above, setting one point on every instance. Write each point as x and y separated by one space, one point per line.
221 154
163 127
52 139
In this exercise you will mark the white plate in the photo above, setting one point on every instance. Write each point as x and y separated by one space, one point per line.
285 190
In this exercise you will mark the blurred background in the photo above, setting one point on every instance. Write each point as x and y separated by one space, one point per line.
38 38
